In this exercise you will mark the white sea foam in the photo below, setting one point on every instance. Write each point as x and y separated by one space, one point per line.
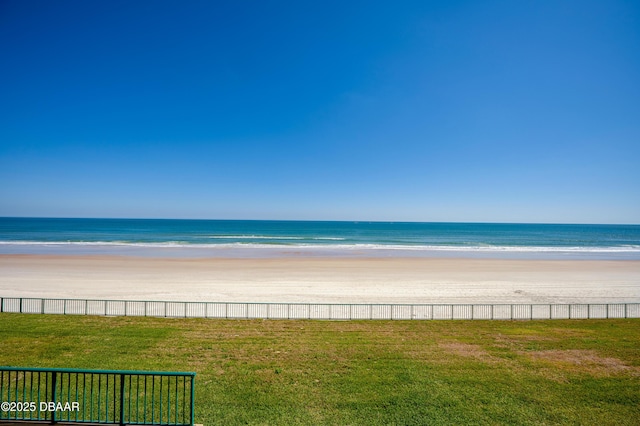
476 248
251 237
267 237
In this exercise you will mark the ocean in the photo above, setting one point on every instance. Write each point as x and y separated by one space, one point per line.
263 238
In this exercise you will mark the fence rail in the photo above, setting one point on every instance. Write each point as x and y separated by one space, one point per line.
96 396
324 311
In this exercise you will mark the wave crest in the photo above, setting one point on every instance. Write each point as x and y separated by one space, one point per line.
303 246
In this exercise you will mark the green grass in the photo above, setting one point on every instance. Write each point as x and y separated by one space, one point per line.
360 372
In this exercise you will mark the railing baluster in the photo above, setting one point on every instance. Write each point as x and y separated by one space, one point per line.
99 397
160 411
153 398
54 378
145 399
91 393
84 393
68 394
177 399
106 404
137 399
184 397
122 399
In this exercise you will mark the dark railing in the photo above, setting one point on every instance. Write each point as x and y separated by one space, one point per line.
328 311
96 396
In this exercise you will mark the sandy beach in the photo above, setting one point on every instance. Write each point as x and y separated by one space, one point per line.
337 280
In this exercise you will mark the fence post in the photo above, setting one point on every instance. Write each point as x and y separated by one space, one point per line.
42 306
165 309
589 311
625 310
192 398
569 310
21 305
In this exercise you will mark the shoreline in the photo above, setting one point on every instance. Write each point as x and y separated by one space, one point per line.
253 251
321 279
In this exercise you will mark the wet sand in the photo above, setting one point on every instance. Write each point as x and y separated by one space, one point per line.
335 280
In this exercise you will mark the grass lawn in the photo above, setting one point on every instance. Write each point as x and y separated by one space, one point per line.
286 372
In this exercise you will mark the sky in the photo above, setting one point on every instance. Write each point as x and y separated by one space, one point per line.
454 111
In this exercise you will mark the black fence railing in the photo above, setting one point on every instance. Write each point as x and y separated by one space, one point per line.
96 396
319 310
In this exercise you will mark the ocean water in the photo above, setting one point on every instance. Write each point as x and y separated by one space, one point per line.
242 238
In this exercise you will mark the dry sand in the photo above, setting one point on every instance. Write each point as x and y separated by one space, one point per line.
339 280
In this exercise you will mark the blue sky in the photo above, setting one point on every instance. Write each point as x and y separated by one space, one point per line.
497 111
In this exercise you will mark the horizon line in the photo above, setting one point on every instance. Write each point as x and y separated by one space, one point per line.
318 220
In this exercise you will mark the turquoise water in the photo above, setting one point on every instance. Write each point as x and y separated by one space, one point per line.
202 238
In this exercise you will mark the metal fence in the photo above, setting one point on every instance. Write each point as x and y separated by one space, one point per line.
96 396
319 310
